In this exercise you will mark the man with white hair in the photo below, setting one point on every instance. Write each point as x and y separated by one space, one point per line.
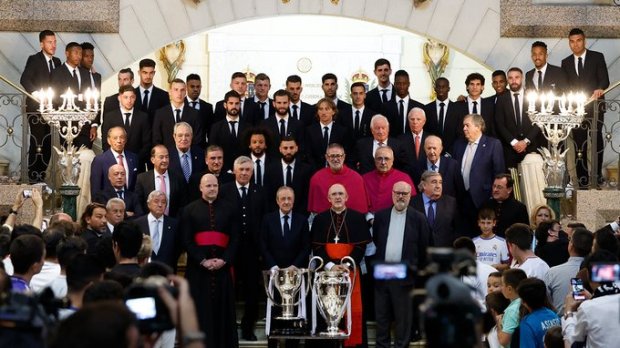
413 141
114 213
366 147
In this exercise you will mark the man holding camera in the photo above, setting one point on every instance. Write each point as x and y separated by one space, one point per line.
401 235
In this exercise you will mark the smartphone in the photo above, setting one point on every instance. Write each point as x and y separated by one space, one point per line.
143 307
605 272
390 271
27 193
577 286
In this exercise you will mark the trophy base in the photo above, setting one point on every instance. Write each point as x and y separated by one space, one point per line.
336 334
289 327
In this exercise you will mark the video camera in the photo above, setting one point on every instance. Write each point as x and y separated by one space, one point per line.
142 298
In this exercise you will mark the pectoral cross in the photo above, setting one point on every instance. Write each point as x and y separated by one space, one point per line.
336 239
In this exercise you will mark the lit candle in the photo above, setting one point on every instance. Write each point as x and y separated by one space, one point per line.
96 99
543 99
563 105
531 102
88 96
50 96
551 102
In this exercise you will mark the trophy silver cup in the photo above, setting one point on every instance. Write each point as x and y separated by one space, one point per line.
332 293
288 282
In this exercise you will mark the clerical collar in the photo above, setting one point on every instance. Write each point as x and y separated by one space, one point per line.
386 173
338 213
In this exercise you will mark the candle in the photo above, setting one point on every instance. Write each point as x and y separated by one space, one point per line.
88 96
543 99
96 99
50 96
531 102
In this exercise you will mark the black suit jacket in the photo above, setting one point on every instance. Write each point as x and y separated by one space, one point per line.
132 203
258 117
36 76
507 130
415 239
302 172
347 118
281 250
415 164
486 109
255 213
452 124
163 125
193 188
554 80
443 232
206 118
451 176
178 190
365 158
220 135
294 128
247 114
307 114
197 159
373 98
170 246
110 104
158 98
102 163
398 125
139 133
313 145
594 76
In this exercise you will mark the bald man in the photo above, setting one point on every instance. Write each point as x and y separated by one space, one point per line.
117 178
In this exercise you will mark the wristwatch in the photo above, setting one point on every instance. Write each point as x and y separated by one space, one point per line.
12 212
568 314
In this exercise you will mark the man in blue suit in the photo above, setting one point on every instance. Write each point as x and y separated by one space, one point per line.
481 158
116 154
185 158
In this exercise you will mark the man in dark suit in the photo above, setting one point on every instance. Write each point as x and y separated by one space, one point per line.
586 71
72 75
319 135
446 166
135 123
401 235
366 147
442 116
289 171
281 124
358 116
227 133
513 126
265 107
330 90
88 58
507 209
499 84
440 210
206 118
166 239
36 76
125 78
149 97
397 110
413 142
475 104
118 178
249 201
185 158
384 92
544 77
214 159
116 154
301 111
258 143
166 117
247 108
480 158
161 179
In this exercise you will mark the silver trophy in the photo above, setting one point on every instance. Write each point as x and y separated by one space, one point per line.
332 294
288 282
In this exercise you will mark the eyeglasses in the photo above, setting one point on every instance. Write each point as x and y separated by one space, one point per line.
383 159
335 156
401 193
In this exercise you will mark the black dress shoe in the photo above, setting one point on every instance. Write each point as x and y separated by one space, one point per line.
248 336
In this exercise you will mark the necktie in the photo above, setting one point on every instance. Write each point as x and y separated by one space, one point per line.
233 131
178 115
475 110
120 160
119 194
286 230
259 174
539 82
401 112
579 66
51 63
282 129
433 167
244 193
262 109
77 82
431 214
186 170
467 160
441 116
357 121
384 95
295 114
127 115
193 104
145 101
517 111
325 137
416 142
162 188
289 176
155 236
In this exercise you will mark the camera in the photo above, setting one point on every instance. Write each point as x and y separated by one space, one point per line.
142 298
605 272
390 271
27 193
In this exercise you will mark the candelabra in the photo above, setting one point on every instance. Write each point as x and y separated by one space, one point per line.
68 118
556 127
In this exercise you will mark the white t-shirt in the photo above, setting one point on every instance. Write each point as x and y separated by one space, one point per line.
491 251
43 279
534 267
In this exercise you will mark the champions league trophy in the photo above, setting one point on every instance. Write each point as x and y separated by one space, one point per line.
292 288
332 292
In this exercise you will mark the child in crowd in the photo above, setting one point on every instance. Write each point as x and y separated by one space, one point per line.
554 338
509 323
494 282
490 248
541 314
496 304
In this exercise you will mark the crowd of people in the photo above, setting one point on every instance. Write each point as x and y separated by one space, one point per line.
261 183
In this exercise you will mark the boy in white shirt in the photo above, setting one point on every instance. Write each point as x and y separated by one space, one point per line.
490 248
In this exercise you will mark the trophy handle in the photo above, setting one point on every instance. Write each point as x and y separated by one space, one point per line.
267 277
317 258
350 260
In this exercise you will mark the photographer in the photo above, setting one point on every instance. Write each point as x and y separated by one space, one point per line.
595 319
21 197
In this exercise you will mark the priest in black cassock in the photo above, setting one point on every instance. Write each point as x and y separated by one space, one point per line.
211 238
340 232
